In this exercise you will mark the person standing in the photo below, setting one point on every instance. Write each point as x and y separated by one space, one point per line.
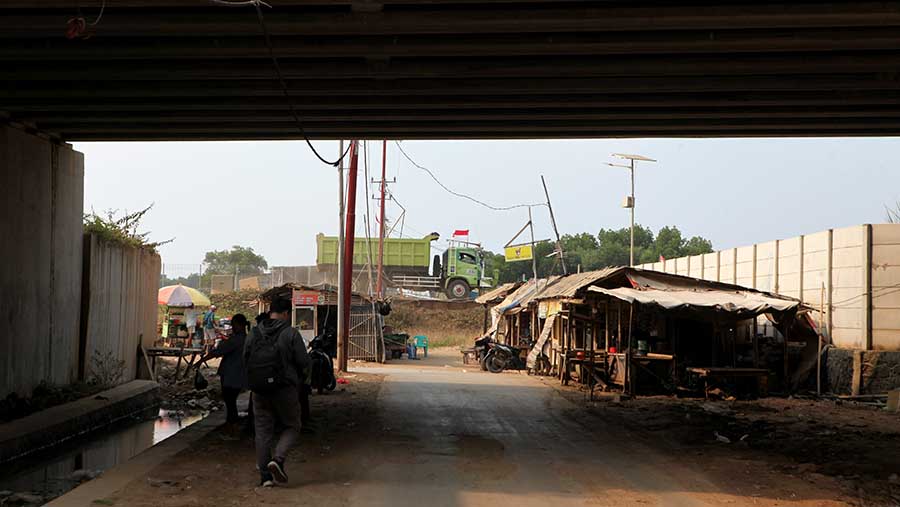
191 316
209 325
276 360
231 367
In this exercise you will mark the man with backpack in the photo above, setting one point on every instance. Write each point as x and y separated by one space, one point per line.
276 359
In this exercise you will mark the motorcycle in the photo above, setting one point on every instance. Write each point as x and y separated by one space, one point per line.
503 357
322 366
482 348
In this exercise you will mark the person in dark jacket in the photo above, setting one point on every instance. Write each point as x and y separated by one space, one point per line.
231 368
276 410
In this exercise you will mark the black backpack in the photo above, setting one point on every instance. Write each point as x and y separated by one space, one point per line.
265 366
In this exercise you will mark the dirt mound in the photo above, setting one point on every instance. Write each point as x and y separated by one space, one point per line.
445 323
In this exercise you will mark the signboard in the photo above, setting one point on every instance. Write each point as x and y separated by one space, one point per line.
305 297
518 253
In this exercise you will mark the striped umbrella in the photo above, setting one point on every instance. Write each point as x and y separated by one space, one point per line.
181 296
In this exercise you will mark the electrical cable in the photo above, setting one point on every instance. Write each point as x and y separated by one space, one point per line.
100 15
279 74
457 194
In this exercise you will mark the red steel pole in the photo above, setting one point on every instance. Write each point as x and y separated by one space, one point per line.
379 287
349 240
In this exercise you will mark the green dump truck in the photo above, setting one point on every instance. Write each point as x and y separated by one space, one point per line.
407 261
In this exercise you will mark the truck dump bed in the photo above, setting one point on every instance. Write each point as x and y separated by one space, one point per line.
409 255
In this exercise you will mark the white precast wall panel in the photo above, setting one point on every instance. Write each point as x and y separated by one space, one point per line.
840 259
765 266
886 287
815 267
848 287
711 266
744 268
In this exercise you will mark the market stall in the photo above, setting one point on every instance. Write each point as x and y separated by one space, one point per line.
183 306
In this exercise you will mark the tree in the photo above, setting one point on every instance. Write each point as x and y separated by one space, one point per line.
615 245
610 247
242 260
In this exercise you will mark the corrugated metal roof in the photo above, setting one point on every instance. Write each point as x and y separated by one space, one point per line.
497 293
569 285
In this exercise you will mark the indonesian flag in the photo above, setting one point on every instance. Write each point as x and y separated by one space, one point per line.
661 258
461 232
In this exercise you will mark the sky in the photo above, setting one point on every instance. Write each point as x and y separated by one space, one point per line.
276 196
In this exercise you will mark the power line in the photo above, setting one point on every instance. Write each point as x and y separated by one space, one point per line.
277 67
457 194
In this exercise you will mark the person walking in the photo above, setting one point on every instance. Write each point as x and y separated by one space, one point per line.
209 325
276 360
231 367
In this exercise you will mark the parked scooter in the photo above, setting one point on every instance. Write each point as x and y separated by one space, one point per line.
322 366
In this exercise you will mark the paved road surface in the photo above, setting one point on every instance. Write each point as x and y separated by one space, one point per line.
439 435
471 438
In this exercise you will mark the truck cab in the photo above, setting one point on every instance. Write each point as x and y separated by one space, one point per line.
463 269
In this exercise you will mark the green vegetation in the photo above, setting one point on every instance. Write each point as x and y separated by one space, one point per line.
239 259
610 247
120 230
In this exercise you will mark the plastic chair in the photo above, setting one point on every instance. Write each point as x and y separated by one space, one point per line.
422 341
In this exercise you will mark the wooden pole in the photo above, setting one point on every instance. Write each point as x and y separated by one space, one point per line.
819 338
349 239
559 248
533 252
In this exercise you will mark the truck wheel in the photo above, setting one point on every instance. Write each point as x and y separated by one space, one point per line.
458 289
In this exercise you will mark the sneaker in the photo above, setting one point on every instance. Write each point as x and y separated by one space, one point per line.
265 480
276 468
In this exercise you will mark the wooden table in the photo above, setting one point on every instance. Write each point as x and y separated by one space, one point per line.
708 372
179 352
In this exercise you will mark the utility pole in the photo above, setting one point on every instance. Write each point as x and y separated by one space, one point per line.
344 292
559 248
533 251
379 287
629 201
341 356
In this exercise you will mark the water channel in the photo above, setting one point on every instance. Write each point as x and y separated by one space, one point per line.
61 469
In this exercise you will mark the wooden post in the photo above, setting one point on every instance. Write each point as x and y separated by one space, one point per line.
819 339
856 380
629 371
487 312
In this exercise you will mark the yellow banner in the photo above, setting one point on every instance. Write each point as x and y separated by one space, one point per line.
518 253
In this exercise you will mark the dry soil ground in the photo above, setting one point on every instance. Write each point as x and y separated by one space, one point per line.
434 432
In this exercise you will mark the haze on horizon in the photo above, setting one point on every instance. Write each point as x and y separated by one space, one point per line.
275 196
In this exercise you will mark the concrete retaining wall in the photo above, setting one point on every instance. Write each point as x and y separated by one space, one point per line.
40 275
119 302
58 424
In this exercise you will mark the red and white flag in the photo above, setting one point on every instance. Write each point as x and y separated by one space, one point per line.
661 258
461 232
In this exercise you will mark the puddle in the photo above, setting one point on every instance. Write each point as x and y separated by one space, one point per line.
52 474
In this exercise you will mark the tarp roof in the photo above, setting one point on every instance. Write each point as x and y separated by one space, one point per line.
740 303
497 294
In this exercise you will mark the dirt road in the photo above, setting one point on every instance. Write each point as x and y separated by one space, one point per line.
435 435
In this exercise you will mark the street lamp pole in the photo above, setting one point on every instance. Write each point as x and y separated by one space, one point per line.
630 201
631 257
